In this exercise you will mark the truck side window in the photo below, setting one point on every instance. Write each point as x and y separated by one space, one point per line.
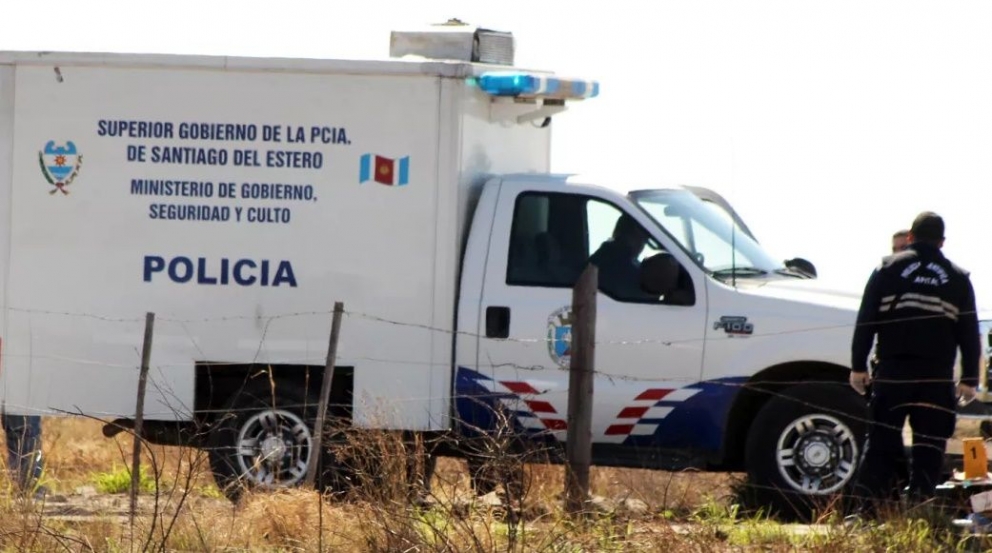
554 236
543 246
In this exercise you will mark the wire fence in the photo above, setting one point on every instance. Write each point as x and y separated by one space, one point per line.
526 384
499 369
266 320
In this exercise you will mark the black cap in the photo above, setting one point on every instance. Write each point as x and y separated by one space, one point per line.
928 227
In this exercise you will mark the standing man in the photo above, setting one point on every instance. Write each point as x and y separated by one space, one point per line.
922 309
900 241
24 462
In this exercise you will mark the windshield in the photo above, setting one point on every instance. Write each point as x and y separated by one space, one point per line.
707 233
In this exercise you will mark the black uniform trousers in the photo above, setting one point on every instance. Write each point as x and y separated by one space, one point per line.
930 407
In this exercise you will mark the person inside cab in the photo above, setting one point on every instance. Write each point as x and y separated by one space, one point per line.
618 261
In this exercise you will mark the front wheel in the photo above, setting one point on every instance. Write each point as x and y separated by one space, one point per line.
804 447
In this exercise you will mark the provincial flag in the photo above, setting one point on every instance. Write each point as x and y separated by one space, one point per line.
384 170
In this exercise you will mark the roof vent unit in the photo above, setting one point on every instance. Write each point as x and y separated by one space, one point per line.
454 40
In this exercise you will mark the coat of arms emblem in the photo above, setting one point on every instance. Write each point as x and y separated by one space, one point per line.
60 165
560 336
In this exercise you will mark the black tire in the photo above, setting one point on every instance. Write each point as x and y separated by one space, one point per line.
497 463
486 475
986 429
803 449
282 427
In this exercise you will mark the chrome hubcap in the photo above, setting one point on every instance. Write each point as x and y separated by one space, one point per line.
817 454
274 449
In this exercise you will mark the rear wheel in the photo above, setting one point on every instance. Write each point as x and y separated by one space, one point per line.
264 440
804 446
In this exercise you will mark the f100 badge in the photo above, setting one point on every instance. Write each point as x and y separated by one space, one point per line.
734 325
60 165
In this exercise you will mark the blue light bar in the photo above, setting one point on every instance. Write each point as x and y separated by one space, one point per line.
533 85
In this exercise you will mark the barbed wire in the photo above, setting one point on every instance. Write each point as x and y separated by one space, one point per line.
346 360
985 315
347 357
544 339
495 396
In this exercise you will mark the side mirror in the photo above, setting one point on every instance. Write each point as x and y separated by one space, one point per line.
659 274
801 265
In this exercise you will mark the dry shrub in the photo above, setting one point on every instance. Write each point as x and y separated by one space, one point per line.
75 450
381 513
292 519
385 509
678 492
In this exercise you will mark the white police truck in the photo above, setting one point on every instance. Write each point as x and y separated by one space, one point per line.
239 198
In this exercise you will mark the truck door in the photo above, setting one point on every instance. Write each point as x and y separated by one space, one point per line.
649 351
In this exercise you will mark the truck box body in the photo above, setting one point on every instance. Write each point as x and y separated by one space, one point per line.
137 184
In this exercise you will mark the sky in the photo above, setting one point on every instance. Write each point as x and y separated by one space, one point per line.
828 125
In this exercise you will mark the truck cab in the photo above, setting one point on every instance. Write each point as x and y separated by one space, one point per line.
740 363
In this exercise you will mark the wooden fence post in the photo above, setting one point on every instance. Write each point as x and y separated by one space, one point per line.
578 444
146 354
325 392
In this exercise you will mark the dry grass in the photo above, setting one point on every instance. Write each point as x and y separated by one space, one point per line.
76 518
663 511
75 450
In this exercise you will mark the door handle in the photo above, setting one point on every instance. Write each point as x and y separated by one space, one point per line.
497 322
